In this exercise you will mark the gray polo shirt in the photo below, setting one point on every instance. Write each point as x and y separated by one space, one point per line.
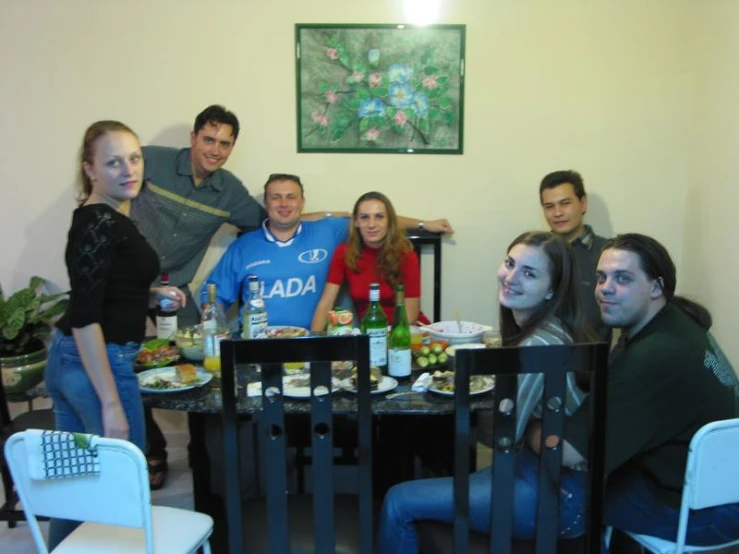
179 219
588 247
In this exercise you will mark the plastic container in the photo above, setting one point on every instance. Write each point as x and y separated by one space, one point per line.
449 331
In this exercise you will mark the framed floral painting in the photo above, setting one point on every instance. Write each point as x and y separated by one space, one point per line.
380 88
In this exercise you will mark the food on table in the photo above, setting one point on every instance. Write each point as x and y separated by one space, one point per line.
340 322
444 381
375 378
430 355
342 366
190 342
157 352
186 373
284 332
298 381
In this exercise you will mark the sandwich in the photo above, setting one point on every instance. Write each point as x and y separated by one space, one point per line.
186 373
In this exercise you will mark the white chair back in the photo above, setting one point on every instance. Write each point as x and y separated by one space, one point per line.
713 461
118 495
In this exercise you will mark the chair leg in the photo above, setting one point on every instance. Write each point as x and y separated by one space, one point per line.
206 547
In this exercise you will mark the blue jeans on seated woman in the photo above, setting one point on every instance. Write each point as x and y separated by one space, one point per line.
432 499
632 505
77 406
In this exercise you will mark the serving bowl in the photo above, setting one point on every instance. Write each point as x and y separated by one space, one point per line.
450 331
190 342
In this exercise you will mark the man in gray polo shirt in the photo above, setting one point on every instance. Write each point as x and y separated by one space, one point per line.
188 196
563 198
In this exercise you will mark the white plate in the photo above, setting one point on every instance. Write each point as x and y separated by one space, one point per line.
276 331
291 390
168 374
489 384
387 384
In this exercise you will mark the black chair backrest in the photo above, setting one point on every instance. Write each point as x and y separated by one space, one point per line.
271 354
554 363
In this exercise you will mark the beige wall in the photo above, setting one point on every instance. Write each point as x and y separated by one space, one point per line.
710 259
604 87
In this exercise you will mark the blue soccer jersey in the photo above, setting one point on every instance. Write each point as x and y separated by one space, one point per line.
291 274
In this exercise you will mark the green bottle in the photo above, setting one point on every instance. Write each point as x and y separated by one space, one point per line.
399 343
374 324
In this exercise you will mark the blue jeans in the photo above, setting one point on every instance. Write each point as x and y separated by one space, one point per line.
631 505
432 499
77 406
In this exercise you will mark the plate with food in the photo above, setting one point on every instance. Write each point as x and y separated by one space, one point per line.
379 383
298 386
442 382
177 378
284 332
157 353
430 356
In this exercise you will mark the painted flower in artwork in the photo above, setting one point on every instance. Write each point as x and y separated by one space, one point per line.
372 134
430 82
320 119
420 104
372 107
400 118
332 53
373 57
399 73
332 97
401 96
375 80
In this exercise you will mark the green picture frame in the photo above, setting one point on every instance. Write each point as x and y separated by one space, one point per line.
380 88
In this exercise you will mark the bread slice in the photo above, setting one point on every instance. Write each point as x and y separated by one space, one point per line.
186 373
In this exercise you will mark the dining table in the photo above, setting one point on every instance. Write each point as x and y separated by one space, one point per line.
203 407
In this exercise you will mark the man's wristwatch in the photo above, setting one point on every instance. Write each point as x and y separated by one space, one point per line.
421 226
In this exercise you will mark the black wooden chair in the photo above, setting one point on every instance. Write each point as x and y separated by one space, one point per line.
554 362
32 419
321 522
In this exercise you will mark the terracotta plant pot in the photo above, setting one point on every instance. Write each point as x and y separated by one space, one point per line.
20 373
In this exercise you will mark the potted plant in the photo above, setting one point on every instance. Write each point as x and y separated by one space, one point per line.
25 324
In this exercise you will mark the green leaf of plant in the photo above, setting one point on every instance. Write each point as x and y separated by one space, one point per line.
363 93
13 324
423 125
35 282
442 80
433 93
390 111
445 102
344 60
353 104
323 87
379 91
433 114
364 125
449 118
381 122
430 70
338 133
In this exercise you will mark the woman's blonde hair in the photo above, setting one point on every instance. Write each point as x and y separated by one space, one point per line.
94 132
395 247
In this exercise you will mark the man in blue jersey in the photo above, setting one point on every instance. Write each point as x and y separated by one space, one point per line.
290 256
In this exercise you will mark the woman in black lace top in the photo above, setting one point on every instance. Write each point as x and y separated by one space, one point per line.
111 267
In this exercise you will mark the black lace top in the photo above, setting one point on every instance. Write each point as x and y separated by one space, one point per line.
111 267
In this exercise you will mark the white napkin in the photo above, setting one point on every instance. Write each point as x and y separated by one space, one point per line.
422 383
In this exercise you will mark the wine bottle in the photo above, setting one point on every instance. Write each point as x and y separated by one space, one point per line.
399 343
374 324
214 330
166 314
255 311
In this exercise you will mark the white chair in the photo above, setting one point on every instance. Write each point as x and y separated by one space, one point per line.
710 480
115 505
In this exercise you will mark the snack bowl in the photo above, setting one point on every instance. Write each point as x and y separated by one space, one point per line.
190 342
450 331
452 350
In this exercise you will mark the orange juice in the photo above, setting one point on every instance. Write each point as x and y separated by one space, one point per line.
212 364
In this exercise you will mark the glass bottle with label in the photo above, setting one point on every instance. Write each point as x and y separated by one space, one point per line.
255 311
399 343
374 324
214 330
166 314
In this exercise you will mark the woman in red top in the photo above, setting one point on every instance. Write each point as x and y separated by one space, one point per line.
377 251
